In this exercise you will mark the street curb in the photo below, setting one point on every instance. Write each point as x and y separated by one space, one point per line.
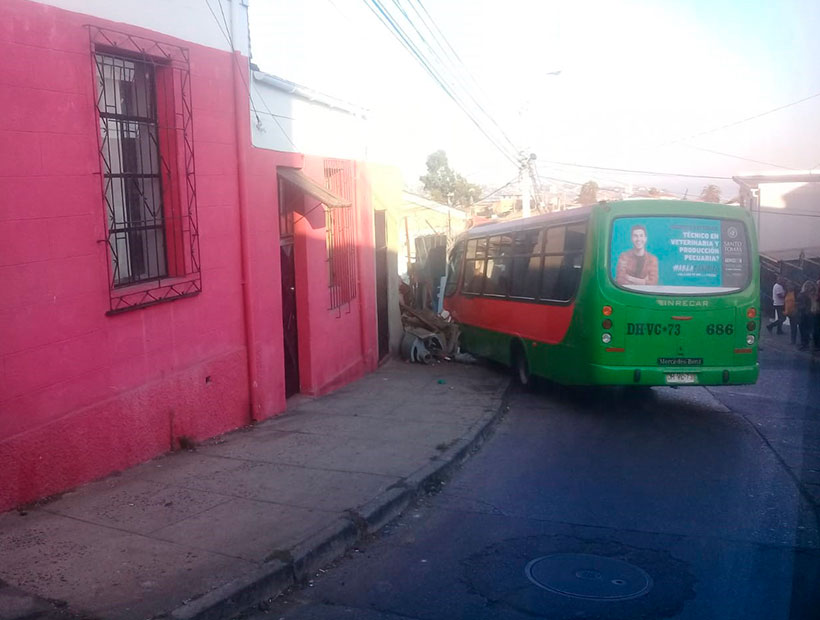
333 541
235 596
321 548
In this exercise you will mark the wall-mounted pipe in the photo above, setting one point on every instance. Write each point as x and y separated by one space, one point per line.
243 140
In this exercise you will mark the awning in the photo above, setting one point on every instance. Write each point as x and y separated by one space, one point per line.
311 187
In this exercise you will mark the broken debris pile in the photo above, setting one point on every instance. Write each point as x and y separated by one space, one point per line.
427 336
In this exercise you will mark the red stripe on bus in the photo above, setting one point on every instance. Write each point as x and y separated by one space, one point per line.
533 321
744 350
681 318
615 349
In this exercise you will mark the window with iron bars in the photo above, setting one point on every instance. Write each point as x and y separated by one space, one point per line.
340 235
146 150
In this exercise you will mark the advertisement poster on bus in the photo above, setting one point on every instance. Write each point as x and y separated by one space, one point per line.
679 255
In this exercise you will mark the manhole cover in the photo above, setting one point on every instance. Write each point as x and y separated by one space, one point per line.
582 575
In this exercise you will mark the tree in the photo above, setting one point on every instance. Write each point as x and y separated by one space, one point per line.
710 193
445 185
589 193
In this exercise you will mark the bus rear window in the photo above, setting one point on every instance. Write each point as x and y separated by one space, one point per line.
679 255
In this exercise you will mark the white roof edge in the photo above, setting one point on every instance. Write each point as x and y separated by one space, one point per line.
309 94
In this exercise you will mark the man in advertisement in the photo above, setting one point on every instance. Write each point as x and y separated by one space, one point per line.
636 265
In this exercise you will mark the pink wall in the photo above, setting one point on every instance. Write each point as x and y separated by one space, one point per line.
83 394
335 346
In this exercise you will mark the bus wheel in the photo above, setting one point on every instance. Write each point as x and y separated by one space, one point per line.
521 367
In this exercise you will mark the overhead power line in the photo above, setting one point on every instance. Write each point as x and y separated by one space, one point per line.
755 161
448 56
508 150
741 121
495 191
227 34
647 172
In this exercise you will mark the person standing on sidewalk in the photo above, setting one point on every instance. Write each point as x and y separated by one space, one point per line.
778 300
790 311
807 295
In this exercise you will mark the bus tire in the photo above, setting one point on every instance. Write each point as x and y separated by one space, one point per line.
521 367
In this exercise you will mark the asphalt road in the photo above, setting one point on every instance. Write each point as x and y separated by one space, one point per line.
688 503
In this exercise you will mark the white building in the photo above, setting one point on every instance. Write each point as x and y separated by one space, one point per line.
786 210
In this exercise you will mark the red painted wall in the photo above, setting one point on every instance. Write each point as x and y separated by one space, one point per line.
335 346
83 394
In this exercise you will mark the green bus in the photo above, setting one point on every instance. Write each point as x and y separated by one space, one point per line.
641 292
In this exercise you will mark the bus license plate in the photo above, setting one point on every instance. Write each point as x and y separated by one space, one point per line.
678 378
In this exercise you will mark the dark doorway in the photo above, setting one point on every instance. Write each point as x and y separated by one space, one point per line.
382 283
289 197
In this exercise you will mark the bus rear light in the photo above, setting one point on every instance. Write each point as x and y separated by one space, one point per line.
615 350
750 339
607 324
606 338
744 350
751 313
607 310
751 326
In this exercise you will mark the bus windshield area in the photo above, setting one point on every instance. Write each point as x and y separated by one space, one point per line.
679 255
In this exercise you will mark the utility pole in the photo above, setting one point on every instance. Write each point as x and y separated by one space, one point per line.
525 176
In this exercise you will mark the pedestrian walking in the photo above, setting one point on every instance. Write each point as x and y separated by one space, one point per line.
807 295
778 300
790 309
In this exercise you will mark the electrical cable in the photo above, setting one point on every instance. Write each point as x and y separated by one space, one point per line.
510 154
754 161
647 172
495 191
273 116
396 30
229 39
457 68
741 121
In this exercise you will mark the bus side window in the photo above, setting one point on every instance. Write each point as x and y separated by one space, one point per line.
554 243
576 237
475 266
550 277
499 266
553 250
454 268
526 264
563 262
569 276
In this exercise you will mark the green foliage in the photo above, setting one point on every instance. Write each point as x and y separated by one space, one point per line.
710 193
445 185
589 193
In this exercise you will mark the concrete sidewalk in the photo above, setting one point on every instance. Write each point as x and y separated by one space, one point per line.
204 534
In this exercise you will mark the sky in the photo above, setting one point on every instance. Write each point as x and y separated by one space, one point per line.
632 84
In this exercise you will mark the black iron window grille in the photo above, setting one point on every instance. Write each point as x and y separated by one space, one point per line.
340 235
130 150
146 150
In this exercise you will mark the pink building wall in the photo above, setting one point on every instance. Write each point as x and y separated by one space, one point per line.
82 393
